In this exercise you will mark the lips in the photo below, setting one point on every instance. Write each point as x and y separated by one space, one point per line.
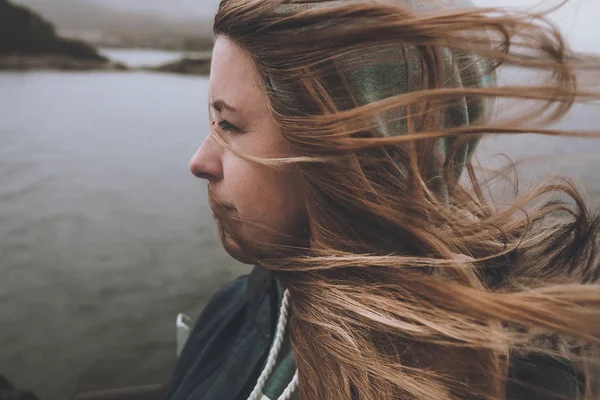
221 211
220 208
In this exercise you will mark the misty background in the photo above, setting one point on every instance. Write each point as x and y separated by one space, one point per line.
104 234
130 23
578 18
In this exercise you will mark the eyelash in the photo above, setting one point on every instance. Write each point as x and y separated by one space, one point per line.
229 127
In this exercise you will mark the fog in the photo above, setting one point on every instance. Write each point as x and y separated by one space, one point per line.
578 19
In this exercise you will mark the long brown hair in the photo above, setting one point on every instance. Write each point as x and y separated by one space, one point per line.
404 290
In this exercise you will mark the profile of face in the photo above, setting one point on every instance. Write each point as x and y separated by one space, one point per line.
259 206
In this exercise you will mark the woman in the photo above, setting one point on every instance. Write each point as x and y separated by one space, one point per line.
340 131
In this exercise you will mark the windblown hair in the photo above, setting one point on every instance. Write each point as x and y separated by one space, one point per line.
414 284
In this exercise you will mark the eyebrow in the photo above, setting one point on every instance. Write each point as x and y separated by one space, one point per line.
220 105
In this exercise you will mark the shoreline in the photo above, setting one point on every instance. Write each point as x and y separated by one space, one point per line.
56 62
198 66
184 66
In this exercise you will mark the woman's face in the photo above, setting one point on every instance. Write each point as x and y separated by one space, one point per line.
257 205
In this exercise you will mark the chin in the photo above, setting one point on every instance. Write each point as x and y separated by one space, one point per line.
236 252
233 248
244 247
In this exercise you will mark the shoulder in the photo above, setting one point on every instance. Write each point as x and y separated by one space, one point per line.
225 300
236 321
217 320
224 305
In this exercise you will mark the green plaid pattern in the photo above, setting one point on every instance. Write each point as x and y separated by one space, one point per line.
378 74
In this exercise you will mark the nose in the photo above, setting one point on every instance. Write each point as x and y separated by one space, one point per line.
206 162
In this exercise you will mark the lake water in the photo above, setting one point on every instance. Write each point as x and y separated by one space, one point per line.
146 57
104 234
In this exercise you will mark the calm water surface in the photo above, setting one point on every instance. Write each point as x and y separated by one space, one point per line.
146 57
104 234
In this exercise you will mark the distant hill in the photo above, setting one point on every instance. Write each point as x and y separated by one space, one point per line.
23 32
104 25
187 66
29 41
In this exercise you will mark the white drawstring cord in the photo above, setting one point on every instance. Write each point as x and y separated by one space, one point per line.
290 389
274 353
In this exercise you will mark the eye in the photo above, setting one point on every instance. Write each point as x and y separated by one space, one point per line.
229 127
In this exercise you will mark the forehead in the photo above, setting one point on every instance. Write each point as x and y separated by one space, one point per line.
234 79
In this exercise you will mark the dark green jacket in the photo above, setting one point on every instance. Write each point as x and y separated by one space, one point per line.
230 341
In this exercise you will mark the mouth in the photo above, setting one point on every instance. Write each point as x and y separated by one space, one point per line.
228 207
219 208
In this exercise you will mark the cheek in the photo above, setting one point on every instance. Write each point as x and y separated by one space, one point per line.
265 196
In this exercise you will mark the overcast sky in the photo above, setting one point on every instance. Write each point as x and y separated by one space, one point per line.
579 19
178 8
